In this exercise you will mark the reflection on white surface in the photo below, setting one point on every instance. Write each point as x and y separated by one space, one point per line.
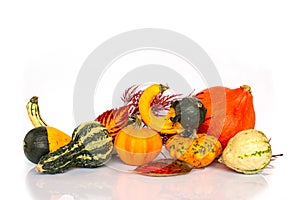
213 182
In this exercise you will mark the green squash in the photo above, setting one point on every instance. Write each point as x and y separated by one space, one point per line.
36 144
91 146
190 113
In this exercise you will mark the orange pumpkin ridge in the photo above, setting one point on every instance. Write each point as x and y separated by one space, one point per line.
228 111
137 146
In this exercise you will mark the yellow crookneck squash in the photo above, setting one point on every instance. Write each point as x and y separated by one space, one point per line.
161 124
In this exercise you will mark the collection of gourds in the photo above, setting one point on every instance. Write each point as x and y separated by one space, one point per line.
216 123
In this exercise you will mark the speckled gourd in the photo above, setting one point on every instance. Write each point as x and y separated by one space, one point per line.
198 152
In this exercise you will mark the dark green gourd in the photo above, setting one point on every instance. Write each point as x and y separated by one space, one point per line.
91 146
190 113
36 144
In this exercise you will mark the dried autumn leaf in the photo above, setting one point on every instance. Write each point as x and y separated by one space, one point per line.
115 119
129 93
164 167
159 104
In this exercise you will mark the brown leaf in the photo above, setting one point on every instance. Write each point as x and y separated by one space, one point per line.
159 104
115 119
164 167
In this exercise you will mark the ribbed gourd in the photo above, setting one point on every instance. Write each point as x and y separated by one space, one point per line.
228 111
248 152
91 146
137 145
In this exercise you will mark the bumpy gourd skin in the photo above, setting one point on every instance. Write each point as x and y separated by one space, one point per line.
91 146
198 152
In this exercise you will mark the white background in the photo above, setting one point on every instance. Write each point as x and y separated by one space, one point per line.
44 44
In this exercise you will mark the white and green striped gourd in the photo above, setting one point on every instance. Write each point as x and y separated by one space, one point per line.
248 152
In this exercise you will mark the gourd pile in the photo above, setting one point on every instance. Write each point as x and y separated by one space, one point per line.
214 124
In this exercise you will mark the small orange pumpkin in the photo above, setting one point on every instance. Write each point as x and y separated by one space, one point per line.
137 146
229 111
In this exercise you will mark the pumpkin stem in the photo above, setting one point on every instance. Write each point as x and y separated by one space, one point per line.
246 88
138 122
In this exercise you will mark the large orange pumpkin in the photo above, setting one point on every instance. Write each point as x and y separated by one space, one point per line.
137 146
228 111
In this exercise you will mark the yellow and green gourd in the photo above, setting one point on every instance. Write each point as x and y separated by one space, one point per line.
198 152
91 146
42 140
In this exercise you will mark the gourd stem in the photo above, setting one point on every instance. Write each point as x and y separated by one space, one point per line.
34 99
138 122
276 155
163 87
246 88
